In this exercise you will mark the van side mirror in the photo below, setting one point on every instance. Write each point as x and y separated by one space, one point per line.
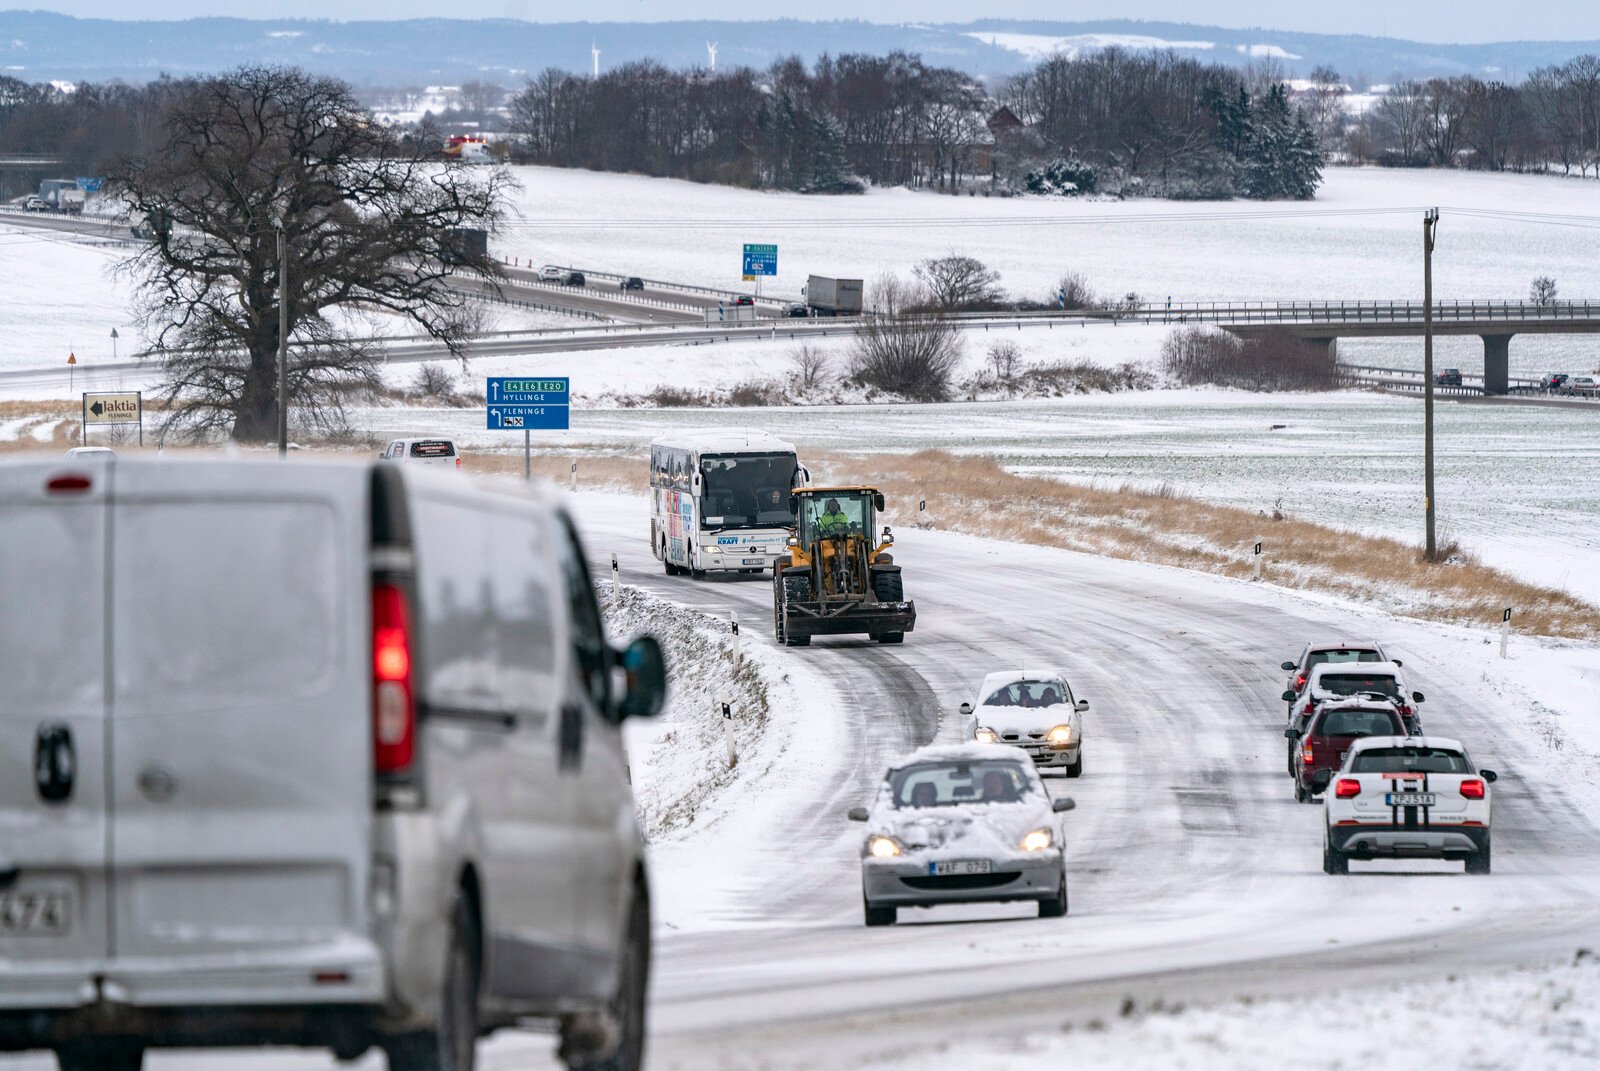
646 669
1288 695
1397 662
857 814
1489 776
1291 734
966 709
1290 666
1081 705
696 485
1417 696
1062 803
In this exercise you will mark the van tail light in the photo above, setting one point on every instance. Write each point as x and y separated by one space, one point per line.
67 485
458 461
394 708
1472 789
1346 788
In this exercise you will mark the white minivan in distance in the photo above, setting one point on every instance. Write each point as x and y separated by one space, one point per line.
437 452
315 754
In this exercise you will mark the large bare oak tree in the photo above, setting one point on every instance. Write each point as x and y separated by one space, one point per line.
370 221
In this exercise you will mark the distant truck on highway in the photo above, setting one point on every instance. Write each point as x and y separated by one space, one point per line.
834 297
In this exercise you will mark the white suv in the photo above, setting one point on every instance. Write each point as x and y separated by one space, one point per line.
1407 797
552 274
439 452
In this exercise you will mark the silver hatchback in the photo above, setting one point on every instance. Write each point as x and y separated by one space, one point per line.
962 824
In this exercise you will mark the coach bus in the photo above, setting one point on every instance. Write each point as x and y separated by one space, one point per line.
720 500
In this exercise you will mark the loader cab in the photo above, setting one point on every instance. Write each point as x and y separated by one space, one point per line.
826 514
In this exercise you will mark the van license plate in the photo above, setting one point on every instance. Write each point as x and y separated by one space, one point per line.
959 866
47 912
1412 799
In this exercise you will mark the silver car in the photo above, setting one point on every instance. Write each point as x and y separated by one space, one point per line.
1030 709
960 824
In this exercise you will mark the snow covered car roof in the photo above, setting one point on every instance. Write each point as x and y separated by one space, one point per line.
1359 669
963 753
1003 677
1444 743
1360 702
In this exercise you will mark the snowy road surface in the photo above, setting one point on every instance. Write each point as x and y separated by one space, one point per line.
1194 876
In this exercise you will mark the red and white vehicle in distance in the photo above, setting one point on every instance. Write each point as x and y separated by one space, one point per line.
1408 797
1315 654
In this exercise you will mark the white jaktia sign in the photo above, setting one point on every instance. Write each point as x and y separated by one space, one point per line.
121 407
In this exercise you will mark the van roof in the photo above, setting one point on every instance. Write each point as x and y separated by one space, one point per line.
725 440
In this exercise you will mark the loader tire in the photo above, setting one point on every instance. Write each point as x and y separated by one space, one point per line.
798 589
888 587
889 637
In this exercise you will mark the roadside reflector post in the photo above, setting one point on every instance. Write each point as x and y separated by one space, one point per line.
1256 557
727 732
1505 630
613 570
738 651
574 474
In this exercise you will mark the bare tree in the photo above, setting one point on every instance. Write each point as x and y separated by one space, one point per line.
1543 291
1004 356
959 282
913 355
1403 118
1074 292
370 220
810 366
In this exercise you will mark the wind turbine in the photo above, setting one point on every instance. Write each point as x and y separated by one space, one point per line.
711 48
594 52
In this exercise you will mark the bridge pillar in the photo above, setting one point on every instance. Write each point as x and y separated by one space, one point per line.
1496 364
1329 345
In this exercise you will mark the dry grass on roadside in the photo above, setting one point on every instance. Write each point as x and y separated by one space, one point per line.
596 472
977 495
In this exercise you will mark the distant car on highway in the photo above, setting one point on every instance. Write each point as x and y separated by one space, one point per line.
550 273
575 278
960 824
1315 654
796 310
438 452
1449 377
1032 710
1553 381
1328 735
1581 385
632 282
91 453
744 299
1409 797
35 203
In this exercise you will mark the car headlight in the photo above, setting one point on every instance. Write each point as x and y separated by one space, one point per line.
881 847
986 735
1037 840
1060 734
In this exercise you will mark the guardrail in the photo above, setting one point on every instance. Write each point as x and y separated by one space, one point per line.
1300 312
727 296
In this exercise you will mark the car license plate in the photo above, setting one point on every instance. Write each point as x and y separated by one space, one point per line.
46 912
958 866
753 561
1412 799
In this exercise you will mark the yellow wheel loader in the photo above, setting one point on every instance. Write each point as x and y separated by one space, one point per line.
835 578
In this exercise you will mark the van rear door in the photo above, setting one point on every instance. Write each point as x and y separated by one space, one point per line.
53 908
241 776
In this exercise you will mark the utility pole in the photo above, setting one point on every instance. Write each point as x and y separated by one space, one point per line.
1430 225
283 341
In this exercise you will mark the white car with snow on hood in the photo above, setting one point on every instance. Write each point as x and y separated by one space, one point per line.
961 824
1033 710
1408 797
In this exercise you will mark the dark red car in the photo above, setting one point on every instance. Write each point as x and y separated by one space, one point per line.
1328 735
744 299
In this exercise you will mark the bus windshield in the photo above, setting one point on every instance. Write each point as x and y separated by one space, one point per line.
747 491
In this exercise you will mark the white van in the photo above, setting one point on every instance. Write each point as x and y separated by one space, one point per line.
310 754
437 451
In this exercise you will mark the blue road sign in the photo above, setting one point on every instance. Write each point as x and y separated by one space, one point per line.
528 417
760 259
528 403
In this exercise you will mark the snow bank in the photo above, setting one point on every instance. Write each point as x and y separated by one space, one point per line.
711 829
1547 1018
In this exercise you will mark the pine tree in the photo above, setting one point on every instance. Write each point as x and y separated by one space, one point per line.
829 168
1270 147
1305 161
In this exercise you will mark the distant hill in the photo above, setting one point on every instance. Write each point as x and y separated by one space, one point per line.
37 45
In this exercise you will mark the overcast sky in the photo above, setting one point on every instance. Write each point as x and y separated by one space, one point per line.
1423 20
